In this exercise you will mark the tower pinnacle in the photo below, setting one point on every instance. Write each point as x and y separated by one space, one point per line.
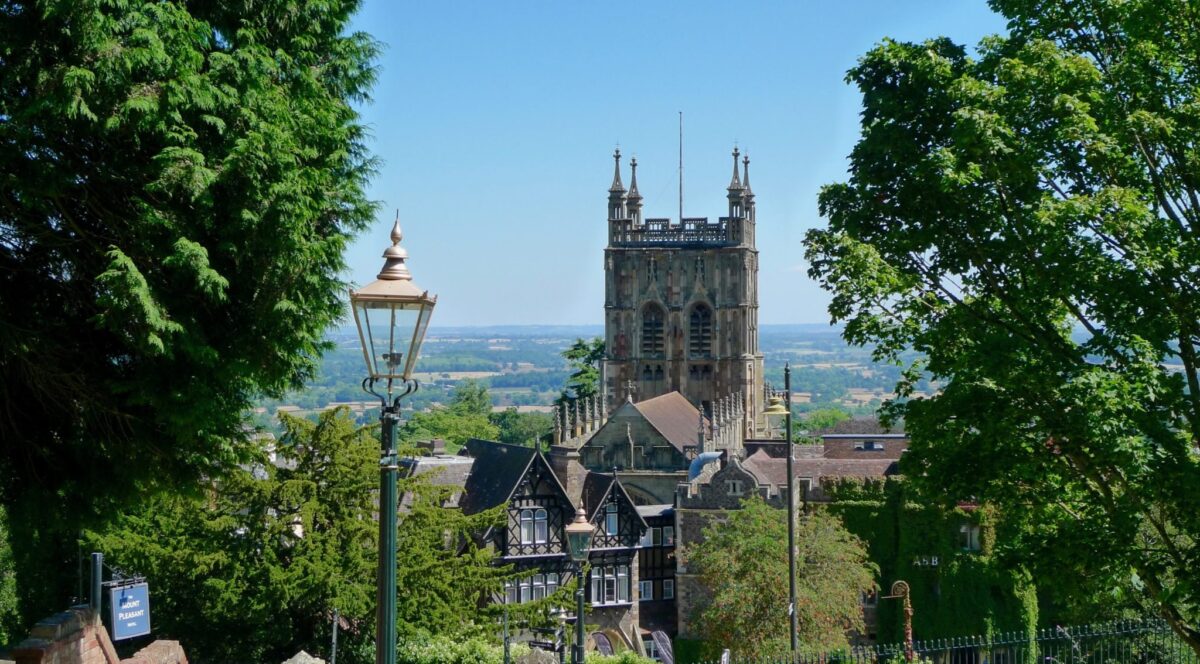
617 185
735 183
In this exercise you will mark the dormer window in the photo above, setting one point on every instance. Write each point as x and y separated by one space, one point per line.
869 446
610 519
733 487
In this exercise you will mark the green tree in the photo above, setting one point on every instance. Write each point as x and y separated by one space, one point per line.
1028 221
252 568
179 181
740 564
518 428
467 417
471 397
583 360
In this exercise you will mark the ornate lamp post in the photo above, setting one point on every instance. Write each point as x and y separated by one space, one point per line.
579 542
900 591
391 314
777 409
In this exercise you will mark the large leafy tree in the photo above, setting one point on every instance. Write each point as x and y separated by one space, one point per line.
740 563
1028 221
178 181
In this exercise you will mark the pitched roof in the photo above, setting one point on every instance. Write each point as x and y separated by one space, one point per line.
497 470
673 416
773 470
443 470
595 490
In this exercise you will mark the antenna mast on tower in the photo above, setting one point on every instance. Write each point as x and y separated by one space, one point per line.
681 167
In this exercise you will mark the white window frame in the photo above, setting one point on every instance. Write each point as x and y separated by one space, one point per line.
541 527
645 590
611 520
530 588
668 589
610 585
525 530
733 487
668 536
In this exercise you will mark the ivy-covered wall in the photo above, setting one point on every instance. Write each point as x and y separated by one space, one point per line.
965 593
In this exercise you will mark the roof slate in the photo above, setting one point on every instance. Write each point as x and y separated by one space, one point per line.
494 476
673 416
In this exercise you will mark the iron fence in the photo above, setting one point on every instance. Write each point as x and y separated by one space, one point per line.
1123 642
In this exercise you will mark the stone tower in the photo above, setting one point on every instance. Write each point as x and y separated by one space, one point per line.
681 302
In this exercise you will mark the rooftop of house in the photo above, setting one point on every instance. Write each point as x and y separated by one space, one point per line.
773 470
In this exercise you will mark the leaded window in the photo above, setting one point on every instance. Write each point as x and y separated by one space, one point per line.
652 330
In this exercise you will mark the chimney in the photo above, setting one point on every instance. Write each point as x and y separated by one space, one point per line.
564 461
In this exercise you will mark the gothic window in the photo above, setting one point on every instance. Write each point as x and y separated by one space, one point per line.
652 330
700 331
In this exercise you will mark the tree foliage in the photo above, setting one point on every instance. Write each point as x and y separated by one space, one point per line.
252 569
178 182
518 428
1028 221
742 567
583 358
467 417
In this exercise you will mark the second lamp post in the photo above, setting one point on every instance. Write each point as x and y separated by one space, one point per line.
579 542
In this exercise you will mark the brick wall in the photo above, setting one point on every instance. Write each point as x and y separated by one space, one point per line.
77 636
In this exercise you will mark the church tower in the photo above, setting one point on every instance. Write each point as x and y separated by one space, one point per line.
681 302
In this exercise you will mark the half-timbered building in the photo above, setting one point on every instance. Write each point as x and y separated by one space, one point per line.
540 494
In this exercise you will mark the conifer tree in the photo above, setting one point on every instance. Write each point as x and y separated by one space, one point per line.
178 181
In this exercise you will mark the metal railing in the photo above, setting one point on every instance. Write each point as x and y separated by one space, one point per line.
1123 642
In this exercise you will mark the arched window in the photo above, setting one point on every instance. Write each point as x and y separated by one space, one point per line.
652 330
526 526
700 331
541 531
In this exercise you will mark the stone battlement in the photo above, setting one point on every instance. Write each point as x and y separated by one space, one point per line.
692 232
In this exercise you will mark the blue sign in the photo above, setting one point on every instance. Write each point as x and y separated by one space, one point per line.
130 611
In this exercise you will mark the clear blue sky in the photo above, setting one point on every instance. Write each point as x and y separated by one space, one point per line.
496 122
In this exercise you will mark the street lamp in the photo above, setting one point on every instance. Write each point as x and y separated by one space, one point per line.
391 314
794 620
579 541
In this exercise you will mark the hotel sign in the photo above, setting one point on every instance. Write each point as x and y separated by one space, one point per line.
130 607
